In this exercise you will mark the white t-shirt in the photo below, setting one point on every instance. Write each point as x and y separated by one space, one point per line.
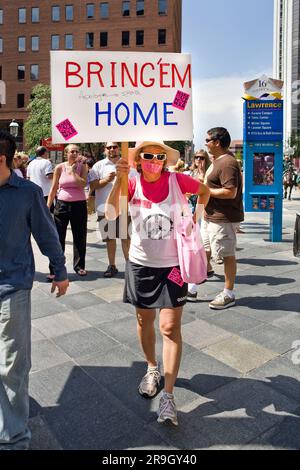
152 241
37 172
100 171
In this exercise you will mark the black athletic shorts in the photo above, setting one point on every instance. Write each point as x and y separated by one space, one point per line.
148 287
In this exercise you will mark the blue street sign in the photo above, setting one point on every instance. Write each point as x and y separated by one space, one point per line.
263 121
263 153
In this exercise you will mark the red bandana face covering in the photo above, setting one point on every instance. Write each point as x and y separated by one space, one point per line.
151 168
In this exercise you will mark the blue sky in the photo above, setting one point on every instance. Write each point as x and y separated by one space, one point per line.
231 41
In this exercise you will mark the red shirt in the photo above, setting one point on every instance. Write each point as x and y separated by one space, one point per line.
158 191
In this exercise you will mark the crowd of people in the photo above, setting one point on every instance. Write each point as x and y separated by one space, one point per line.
41 201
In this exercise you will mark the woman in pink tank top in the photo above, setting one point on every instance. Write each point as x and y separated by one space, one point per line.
69 181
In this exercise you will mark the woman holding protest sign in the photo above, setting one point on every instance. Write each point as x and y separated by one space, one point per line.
153 278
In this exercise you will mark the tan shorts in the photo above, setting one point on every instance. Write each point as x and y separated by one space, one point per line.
219 238
111 229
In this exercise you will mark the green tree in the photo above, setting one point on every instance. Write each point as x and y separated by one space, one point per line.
38 123
239 155
179 145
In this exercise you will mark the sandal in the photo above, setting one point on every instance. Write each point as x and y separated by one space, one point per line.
81 272
111 271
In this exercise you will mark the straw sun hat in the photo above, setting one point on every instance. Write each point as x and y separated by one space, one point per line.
133 153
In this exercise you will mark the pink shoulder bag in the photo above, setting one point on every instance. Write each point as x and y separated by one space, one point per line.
191 253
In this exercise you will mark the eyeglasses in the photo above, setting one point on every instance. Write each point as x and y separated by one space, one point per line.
199 158
114 147
161 157
209 140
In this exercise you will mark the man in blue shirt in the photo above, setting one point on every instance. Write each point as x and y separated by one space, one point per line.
23 212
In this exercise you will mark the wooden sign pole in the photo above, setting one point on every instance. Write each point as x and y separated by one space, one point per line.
124 196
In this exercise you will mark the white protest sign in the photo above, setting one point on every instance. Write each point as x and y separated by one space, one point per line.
101 96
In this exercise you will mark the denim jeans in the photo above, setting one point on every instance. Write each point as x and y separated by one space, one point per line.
15 363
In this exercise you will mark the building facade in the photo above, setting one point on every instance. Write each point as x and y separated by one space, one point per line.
286 60
30 30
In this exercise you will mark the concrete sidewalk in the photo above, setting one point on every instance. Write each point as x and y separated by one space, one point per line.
238 384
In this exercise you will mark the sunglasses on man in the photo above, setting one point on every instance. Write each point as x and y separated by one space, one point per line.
112 147
161 157
210 140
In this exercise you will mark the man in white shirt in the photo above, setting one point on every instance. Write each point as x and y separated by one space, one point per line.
40 171
102 177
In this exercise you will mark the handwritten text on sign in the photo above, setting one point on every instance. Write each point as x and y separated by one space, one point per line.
121 96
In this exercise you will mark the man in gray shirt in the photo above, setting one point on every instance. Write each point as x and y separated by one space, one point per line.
23 212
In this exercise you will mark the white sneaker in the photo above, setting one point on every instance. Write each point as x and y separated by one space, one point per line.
150 382
192 297
167 409
222 301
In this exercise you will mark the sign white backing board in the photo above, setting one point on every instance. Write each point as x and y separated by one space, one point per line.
118 96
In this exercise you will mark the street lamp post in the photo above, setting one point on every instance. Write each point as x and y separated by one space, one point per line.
14 128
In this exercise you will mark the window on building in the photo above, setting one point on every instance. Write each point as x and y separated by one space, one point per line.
56 13
21 44
162 7
104 10
139 38
20 100
103 39
68 41
35 14
22 15
35 43
1 16
125 38
1 44
126 8
89 41
90 10
140 11
21 72
55 42
34 72
162 36
69 11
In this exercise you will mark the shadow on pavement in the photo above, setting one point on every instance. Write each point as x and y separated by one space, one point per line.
287 302
99 408
91 276
266 262
255 280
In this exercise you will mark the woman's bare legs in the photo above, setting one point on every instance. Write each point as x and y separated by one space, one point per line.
170 328
146 333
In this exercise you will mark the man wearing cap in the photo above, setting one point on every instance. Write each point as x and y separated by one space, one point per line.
102 176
